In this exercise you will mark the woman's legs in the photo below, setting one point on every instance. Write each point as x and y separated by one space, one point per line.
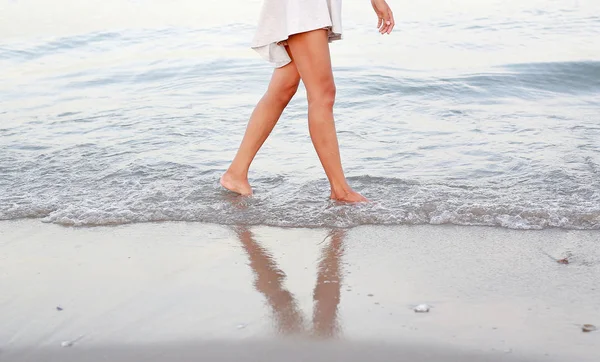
282 88
311 62
311 56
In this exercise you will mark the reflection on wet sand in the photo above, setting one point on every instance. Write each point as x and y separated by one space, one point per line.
269 281
326 294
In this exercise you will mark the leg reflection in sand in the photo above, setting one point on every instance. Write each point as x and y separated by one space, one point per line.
326 294
269 281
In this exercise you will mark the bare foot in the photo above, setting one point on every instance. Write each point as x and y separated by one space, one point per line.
348 196
236 184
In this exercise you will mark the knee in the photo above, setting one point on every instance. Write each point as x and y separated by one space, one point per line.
324 96
285 92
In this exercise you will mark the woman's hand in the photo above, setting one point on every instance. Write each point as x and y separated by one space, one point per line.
385 22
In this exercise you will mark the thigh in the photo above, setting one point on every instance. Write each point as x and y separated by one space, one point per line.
311 55
286 77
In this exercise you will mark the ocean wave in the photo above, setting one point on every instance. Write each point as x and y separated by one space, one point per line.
282 202
28 52
523 80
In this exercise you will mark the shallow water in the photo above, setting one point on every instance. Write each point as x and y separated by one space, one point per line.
474 113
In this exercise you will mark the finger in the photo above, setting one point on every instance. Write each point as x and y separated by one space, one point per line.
379 22
383 23
391 15
386 26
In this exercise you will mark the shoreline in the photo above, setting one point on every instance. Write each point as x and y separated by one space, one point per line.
494 292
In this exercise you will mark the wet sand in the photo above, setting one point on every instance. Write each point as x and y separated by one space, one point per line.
191 291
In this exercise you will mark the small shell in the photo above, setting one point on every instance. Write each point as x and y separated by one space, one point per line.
71 343
588 328
422 308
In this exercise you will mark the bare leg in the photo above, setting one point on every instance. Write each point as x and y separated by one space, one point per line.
282 88
311 55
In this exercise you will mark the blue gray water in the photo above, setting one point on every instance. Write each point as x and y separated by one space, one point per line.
471 113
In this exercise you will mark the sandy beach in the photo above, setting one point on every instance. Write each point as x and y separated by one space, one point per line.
192 291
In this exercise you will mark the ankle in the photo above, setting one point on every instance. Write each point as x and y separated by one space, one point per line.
237 173
340 190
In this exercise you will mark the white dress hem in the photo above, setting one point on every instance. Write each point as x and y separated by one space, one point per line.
281 19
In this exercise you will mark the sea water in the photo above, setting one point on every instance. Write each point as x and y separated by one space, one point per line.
472 112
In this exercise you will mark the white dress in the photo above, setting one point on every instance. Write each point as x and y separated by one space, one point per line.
281 18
